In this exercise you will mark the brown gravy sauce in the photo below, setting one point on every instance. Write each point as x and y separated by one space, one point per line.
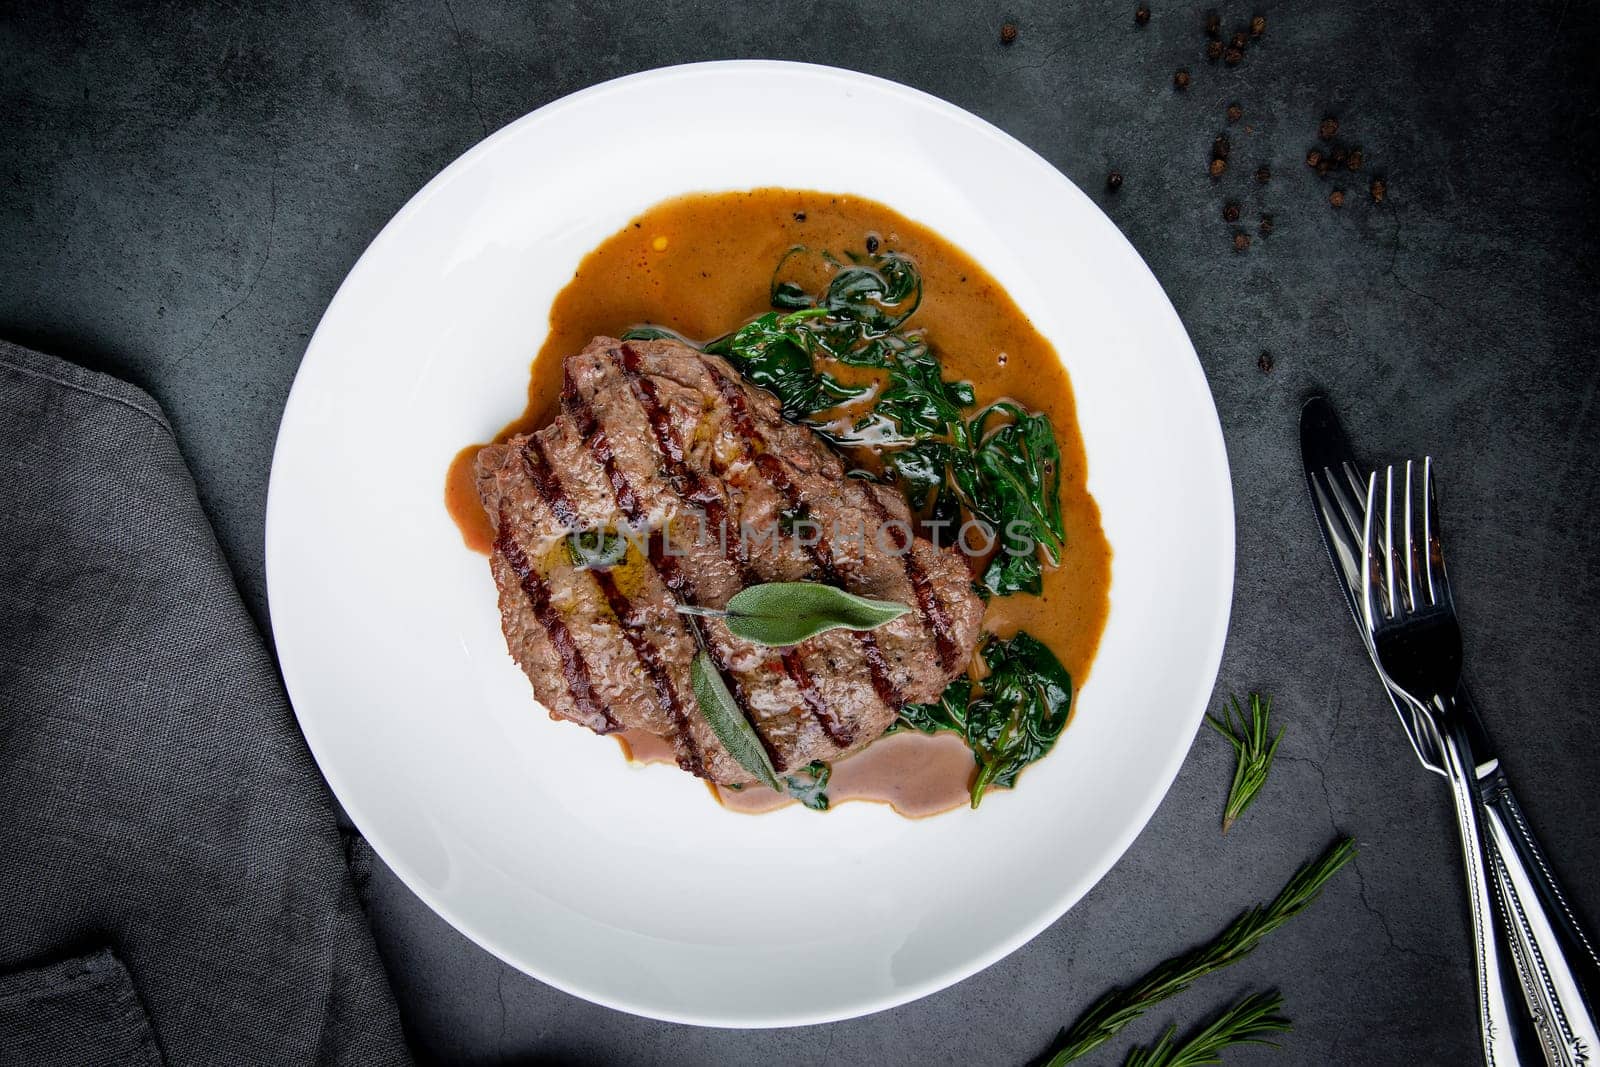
915 774
700 265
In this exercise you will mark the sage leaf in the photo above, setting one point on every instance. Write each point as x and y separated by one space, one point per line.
728 722
786 613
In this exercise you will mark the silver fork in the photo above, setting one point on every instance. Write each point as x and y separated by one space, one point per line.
1410 616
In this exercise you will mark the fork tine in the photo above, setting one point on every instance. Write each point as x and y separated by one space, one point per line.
1433 543
1358 483
1411 549
1371 582
1388 541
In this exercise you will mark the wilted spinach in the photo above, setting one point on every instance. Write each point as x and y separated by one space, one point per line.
918 399
1011 478
775 352
1004 466
651 332
865 303
949 712
810 785
1014 718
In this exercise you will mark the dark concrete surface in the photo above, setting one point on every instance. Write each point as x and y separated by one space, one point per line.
183 187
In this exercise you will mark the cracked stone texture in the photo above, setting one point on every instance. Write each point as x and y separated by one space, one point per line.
183 189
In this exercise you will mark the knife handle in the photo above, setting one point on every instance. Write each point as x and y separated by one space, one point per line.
1554 957
1499 1027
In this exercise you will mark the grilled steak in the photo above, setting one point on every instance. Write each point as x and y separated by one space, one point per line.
716 492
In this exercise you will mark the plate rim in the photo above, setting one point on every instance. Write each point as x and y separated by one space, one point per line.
1216 625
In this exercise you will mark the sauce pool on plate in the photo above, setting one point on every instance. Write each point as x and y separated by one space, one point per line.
701 265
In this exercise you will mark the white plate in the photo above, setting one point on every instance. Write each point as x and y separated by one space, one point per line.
629 886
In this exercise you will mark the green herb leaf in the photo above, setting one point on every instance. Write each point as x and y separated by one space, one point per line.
920 471
774 352
1015 717
1013 478
919 400
785 613
728 722
808 786
1026 701
788 296
869 298
1246 1023
1015 571
596 548
649 331
948 713
1107 1016
1249 737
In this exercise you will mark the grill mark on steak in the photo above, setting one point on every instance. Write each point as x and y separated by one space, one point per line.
548 484
685 480
933 610
839 733
599 446
821 552
573 668
666 566
684 477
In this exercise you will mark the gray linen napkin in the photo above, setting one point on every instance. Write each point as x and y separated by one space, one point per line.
172 881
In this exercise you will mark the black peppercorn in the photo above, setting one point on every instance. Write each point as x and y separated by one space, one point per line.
1219 148
1232 57
1235 112
1241 241
1379 189
799 216
1213 50
1336 198
1180 80
1230 212
1328 129
1240 40
1258 25
1265 362
1114 180
1263 174
1008 33
872 244
1213 24
1313 158
1356 159
1141 16
1266 225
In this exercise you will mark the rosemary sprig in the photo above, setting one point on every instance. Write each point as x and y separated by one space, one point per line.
1116 1009
1249 739
1246 1023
